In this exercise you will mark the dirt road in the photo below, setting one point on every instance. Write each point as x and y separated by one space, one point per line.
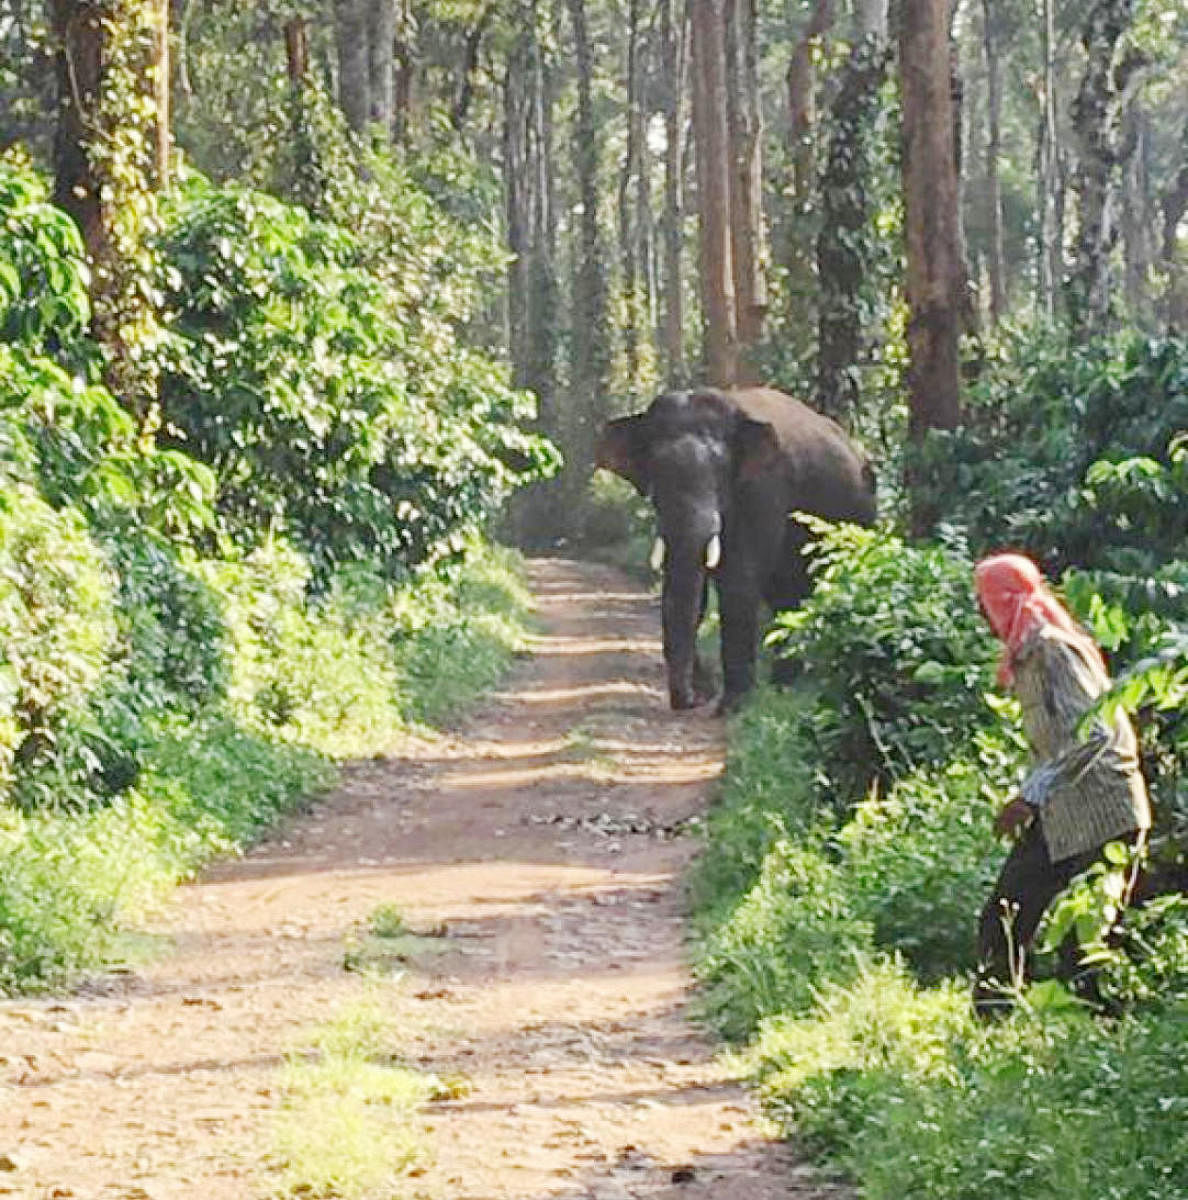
543 848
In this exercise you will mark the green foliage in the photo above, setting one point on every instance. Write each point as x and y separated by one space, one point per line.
1070 453
56 627
323 397
44 301
894 642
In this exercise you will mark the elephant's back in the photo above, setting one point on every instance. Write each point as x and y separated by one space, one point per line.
825 472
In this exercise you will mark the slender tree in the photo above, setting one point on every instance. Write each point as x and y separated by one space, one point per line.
381 66
746 156
591 349
1097 114
991 44
674 46
351 26
934 268
711 132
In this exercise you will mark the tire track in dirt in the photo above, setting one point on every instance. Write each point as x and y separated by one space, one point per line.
545 843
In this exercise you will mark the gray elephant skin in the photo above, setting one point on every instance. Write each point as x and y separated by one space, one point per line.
724 471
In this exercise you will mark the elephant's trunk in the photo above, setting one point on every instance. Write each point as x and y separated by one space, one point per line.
684 589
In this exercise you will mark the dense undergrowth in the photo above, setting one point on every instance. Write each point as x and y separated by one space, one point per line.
851 850
280 564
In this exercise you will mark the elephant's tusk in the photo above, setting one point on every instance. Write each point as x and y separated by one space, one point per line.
657 556
713 552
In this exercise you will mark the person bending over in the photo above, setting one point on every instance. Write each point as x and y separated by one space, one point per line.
1084 790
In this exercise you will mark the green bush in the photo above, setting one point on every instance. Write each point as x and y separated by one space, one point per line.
795 931
918 862
329 394
56 627
893 642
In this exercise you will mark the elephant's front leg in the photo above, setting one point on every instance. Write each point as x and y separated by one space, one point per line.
738 602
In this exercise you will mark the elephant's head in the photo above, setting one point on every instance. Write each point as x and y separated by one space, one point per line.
687 453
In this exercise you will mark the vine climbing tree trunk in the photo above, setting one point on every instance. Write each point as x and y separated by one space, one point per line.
107 141
711 133
934 268
843 255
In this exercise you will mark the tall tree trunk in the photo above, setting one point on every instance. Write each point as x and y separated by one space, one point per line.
673 40
297 50
351 24
629 246
1173 204
746 188
843 257
711 133
934 269
591 349
518 213
381 63
801 82
1138 220
105 146
1051 174
991 36
1097 116
406 69
78 29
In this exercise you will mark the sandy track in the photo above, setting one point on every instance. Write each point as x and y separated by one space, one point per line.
545 843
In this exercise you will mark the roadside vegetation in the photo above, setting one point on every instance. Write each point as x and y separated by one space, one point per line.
279 564
851 850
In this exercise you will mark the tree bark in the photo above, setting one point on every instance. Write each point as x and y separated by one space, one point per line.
801 81
406 69
1173 204
991 36
1138 219
746 189
381 63
1097 113
1051 174
934 268
673 40
713 191
297 49
629 233
78 30
591 351
354 61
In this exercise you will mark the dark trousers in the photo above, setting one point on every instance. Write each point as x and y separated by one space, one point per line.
1027 884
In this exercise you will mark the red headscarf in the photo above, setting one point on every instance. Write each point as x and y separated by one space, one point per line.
1017 602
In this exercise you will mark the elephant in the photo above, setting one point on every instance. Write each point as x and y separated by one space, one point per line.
724 470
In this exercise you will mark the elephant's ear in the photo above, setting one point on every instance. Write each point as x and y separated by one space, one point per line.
756 448
623 448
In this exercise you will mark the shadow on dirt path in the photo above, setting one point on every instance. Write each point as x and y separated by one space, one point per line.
543 848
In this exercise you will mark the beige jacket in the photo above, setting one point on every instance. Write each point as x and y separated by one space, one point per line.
1088 790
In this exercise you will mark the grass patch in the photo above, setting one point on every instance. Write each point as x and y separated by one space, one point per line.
348 1121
